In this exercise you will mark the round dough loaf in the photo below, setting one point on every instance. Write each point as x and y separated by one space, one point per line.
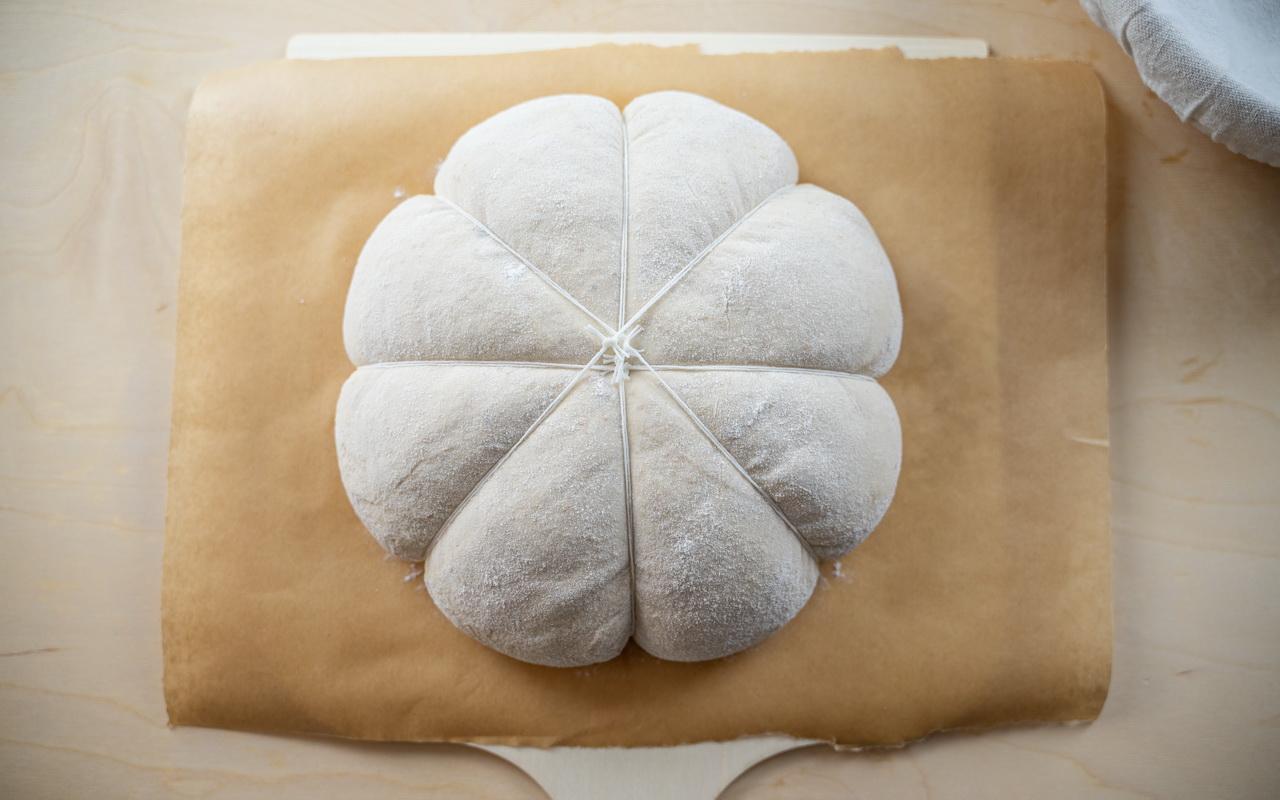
616 379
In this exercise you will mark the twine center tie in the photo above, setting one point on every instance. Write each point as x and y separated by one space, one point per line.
618 350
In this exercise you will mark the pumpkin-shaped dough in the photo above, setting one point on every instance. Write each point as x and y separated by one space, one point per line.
615 379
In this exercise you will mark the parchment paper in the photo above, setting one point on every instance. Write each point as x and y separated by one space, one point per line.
983 598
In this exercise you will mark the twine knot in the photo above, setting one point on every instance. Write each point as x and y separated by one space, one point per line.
618 347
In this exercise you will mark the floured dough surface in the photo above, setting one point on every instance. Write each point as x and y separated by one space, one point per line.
615 380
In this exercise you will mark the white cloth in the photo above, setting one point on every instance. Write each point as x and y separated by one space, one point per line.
1217 64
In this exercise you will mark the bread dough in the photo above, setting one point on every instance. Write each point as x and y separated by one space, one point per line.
616 379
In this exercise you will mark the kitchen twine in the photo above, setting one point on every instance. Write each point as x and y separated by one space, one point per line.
615 354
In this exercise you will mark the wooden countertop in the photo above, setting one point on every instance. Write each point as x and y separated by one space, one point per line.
94 97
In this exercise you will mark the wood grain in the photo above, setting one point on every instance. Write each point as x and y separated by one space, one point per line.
93 97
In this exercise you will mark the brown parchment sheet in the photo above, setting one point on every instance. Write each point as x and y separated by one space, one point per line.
984 597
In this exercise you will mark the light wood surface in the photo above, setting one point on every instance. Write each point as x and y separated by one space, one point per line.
93 97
